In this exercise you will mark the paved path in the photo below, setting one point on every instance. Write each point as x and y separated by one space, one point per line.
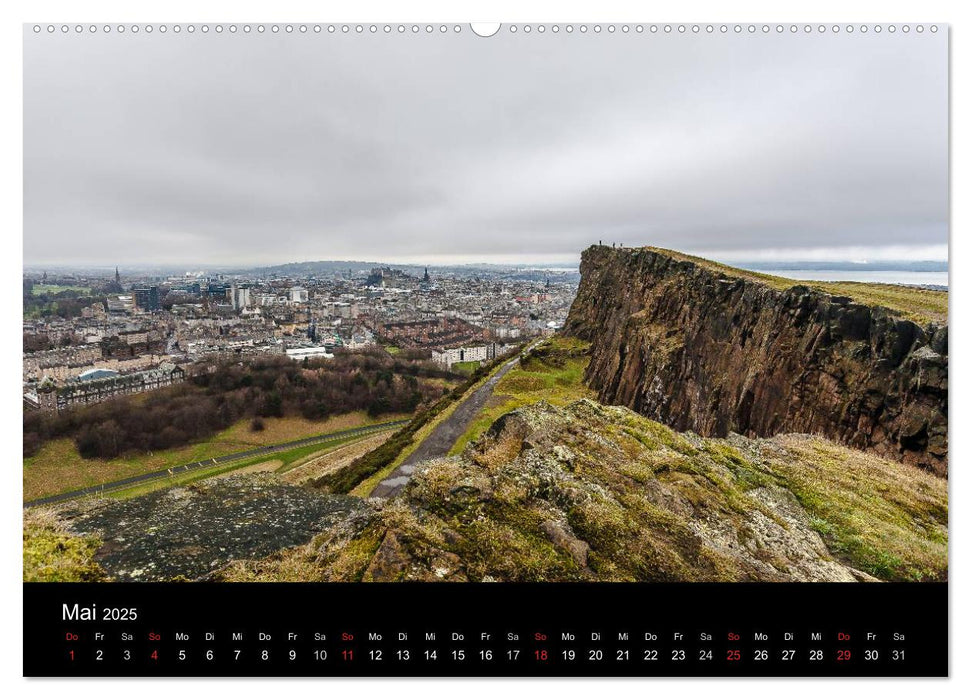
444 436
224 459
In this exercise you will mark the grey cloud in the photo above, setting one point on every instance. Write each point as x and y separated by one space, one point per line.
245 148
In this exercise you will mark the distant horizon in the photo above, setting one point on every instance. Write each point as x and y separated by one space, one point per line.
914 265
883 258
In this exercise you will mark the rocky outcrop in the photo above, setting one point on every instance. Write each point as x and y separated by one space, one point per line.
583 492
186 532
702 347
599 493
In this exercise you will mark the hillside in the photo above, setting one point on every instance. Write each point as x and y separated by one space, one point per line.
705 347
840 474
224 407
579 491
590 492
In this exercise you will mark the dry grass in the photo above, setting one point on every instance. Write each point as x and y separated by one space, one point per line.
889 519
552 372
287 565
333 460
303 563
364 488
52 553
918 305
58 467
270 465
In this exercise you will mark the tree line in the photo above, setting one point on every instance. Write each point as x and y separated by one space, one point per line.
219 394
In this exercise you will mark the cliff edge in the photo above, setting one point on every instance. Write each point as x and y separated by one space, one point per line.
709 348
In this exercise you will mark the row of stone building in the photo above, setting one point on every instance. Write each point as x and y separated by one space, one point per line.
470 353
101 385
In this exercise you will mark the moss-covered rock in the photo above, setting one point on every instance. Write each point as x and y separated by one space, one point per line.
592 492
52 553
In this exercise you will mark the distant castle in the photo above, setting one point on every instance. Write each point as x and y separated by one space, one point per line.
384 276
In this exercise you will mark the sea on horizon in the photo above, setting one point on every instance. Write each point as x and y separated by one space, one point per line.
883 276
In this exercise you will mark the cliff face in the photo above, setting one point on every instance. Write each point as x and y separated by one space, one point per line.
706 348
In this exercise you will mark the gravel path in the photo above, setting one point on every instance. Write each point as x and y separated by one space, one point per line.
443 437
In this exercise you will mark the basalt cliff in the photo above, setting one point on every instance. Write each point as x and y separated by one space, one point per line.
708 348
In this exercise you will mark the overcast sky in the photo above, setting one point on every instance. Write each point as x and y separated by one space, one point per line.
247 148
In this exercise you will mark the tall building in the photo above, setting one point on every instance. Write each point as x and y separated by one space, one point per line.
426 282
239 297
114 287
216 290
146 298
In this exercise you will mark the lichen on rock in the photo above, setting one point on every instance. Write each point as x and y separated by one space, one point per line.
588 492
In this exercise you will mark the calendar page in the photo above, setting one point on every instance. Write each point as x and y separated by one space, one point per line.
546 349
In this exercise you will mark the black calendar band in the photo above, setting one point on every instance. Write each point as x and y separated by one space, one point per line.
701 629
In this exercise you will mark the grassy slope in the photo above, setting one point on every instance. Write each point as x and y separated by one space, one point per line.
282 463
888 519
918 305
604 478
364 488
552 372
885 518
332 461
51 553
58 467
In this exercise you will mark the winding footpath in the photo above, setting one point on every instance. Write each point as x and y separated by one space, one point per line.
444 436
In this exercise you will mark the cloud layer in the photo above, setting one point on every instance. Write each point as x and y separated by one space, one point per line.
267 148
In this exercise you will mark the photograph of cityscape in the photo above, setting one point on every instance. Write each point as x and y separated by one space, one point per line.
389 303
